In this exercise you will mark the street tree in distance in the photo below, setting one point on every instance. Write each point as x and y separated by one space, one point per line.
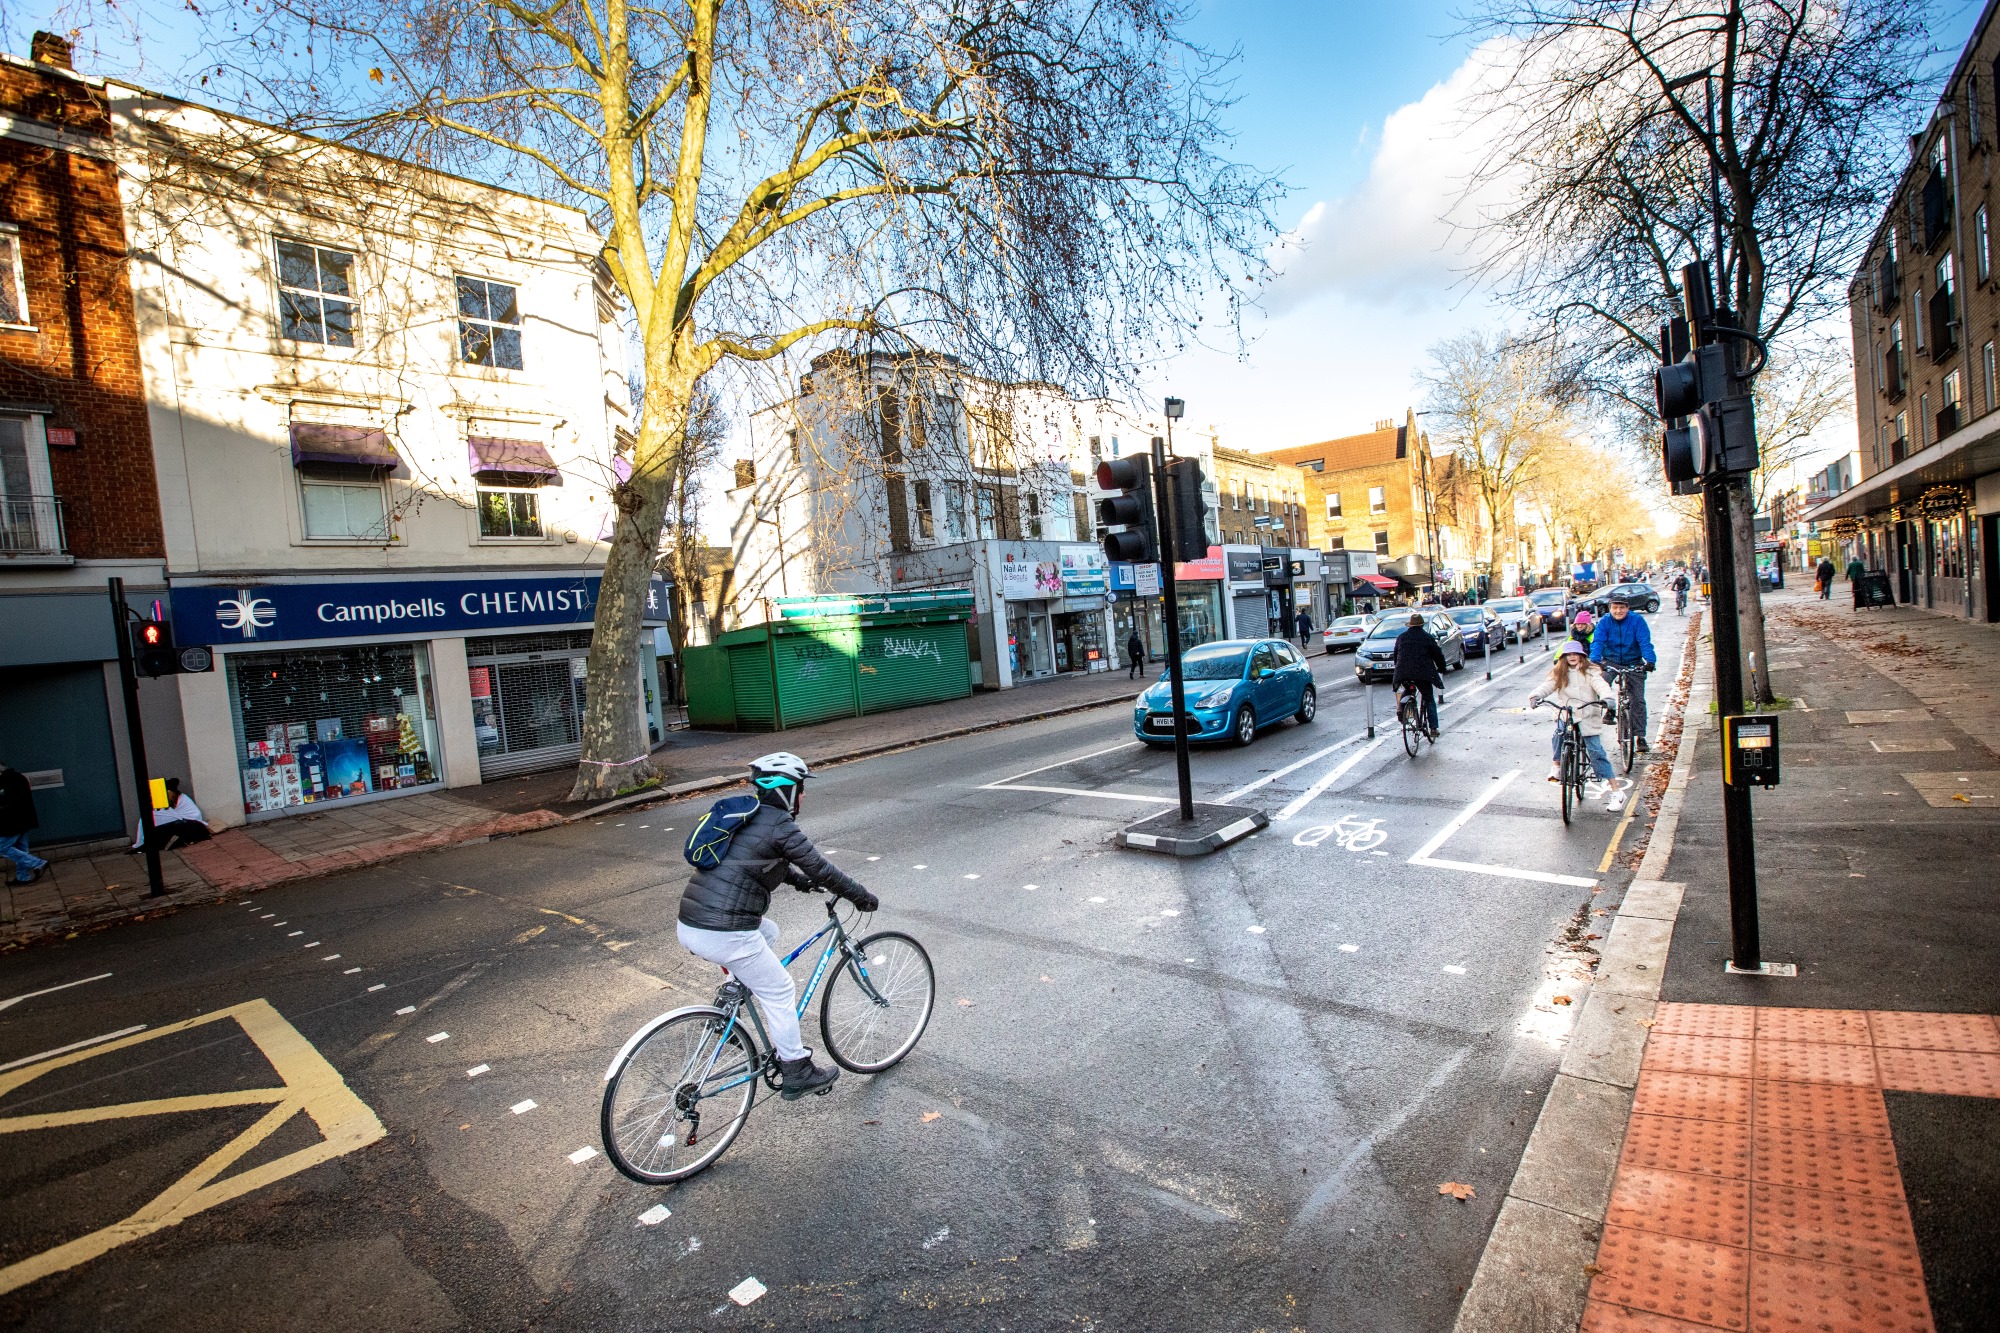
1602 152
1039 188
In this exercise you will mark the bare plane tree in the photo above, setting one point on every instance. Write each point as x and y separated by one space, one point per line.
1038 186
1603 152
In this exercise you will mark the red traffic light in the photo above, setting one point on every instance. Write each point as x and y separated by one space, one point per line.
150 634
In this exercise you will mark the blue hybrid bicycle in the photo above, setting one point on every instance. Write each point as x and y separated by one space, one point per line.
679 1091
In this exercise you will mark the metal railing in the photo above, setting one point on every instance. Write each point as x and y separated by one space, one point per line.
31 525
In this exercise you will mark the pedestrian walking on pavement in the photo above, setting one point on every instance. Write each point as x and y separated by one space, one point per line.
1304 625
1135 653
1823 576
17 818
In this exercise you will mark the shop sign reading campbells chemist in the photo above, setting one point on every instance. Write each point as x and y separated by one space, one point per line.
276 611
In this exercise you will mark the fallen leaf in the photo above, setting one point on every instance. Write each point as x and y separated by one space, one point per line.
1457 1191
931 1115
1961 796
1591 1270
966 1003
1559 999
871 1122
1593 937
1047 978
465 1126
1644 1022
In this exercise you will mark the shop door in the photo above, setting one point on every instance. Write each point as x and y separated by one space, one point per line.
527 701
1252 612
56 727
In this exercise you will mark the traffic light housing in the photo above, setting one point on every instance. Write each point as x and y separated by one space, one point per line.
1125 513
1704 402
1190 511
154 653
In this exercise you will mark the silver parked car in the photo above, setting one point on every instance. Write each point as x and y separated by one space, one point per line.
1521 617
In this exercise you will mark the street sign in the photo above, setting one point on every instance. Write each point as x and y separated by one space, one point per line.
1145 580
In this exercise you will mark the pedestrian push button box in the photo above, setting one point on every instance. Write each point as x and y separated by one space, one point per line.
1750 750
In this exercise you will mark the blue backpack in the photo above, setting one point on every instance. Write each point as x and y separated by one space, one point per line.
709 842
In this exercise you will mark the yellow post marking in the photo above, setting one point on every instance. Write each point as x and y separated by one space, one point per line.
311 1085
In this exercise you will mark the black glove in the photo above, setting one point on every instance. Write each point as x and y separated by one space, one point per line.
1651 667
1610 715
865 900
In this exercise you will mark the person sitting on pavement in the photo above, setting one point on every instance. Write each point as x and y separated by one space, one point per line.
1420 662
722 910
178 825
17 820
1574 681
1625 640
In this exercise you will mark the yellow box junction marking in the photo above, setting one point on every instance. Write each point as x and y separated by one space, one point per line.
310 1085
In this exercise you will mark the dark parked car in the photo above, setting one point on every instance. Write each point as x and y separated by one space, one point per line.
1232 690
1375 659
1553 603
1641 596
1478 628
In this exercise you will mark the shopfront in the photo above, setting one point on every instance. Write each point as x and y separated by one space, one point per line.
1249 599
367 689
1198 588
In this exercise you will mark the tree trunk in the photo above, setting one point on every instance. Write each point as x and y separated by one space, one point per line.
1749 593
616 754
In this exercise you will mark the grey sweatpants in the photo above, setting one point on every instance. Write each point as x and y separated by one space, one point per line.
750 958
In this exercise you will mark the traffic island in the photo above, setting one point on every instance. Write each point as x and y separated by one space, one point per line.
1212 828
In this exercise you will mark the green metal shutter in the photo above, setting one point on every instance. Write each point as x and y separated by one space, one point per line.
816 675
902 665
750 679
711 698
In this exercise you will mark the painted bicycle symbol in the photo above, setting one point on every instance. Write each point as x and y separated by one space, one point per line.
1349 831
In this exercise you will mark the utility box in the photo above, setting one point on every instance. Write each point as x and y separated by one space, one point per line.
1750 750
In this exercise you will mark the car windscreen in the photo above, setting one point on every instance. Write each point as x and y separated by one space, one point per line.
1468 615
1388 629
1549 597
1512 604
1214 663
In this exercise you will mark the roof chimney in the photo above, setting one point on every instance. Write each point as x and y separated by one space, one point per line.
1384 424
49 49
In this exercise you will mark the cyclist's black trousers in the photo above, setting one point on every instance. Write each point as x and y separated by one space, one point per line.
1637 687
1430 713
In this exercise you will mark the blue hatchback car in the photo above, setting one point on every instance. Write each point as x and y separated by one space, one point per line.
1233 689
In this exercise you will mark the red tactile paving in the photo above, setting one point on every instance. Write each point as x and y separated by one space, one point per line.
1819 1108
1670 1275
1675 1203
1703 1147
1688 1053
1841 1025
1794 1296
1693 1096
1758 1188
1815 1062
1936 1032
1953 1072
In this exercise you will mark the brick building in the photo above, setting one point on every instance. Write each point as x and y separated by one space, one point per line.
1925 319
78 497
1252 486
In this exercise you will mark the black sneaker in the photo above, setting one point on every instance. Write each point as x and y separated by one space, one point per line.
803 1076
1643 747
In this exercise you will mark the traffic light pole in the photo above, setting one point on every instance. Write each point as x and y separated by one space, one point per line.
1739 839
135 733
1170 604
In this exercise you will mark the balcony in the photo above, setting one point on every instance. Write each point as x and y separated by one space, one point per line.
1893 385
1937 214
1885 285
1944 328
1947 420
31 528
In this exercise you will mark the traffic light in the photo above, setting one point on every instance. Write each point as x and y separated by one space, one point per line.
154 654
1125 513
1704 402
1190 511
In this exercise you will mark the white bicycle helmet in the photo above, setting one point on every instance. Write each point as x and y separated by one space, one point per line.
783 774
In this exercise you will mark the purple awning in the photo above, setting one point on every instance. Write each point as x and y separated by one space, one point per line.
519 457
358 446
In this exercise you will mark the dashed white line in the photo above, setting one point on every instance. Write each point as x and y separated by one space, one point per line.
380 985
1031 887
406 1009
583 1154
1097 900
1454 970
290 933
437 1037
477 1070
972 877
522 1108
1350 948
1255 930
1170 911
313 945
920 867
350 971
655 1215
334 958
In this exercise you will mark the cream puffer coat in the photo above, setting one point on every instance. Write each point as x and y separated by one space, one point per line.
1586 682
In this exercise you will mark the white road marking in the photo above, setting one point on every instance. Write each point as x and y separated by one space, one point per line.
1423 855
437 1037
477 1070
583 1154
1338 772
334 958
406 1009
1097 900
74 1046
1255 930
313 945
51 990
377 986
937 1238
972 877
1296 764
267 916
920 867
1455 971
349 971
290 933
874 858
1075 759
1350 948
1170 911
1079 791
746 1291
522 1108
655 1215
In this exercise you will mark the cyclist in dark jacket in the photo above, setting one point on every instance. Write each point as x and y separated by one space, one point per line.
1420 662
722 910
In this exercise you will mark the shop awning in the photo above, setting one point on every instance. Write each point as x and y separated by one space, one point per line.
1376 581
356 446
523 458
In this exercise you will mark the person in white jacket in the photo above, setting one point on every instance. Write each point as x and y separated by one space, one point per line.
178 825
1574 681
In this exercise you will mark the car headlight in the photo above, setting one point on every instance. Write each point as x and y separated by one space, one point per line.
1214 698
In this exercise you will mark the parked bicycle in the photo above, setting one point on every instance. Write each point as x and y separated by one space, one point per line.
1570 762
1626 679
679 1091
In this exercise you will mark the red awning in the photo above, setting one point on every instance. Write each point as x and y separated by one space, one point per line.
357 446
1377 582
520 457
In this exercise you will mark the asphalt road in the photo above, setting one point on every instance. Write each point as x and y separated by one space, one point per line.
1207 1095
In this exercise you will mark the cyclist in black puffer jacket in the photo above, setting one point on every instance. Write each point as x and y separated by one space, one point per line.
722 910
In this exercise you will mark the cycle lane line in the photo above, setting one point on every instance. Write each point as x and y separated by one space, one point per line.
1424 854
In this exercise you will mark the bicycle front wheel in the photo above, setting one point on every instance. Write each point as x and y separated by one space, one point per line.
1571 786
680 1098
877 1006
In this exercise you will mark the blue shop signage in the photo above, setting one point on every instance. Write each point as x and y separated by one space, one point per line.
273 612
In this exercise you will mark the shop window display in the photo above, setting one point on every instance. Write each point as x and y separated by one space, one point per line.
331 724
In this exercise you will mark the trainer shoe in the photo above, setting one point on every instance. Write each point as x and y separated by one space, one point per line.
1643 747
1555 773
803 1076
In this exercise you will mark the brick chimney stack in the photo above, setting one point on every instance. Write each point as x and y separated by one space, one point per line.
49 49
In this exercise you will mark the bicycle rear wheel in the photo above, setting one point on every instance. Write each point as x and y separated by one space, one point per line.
875 1010
1571 786
668 1111
1406 717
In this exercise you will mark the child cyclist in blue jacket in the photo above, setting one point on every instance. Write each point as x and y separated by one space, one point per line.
1623 639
